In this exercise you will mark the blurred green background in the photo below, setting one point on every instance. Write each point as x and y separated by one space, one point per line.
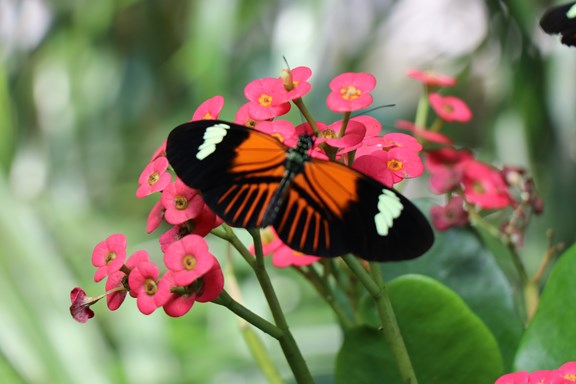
89 89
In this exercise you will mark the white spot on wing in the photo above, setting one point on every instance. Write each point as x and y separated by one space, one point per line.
389 208
212 136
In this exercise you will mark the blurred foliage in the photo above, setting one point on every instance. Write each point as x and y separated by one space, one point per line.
89 89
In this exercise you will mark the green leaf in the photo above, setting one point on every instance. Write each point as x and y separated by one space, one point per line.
446 341
460 260
550 339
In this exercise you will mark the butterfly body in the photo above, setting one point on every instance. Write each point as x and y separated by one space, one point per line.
561 20
322 208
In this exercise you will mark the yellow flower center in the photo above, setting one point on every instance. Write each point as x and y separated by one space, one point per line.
350 92
570 376
394 165
278 137
153 178
265 100
181 203
329 134
110 257
207 116
150 287
189 262
448 108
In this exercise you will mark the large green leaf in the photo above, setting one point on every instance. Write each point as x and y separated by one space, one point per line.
460 260
550 339
447 342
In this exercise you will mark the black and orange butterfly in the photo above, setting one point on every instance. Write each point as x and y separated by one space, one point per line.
317 207
561 20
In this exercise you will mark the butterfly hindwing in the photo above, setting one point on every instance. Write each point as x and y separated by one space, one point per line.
332 210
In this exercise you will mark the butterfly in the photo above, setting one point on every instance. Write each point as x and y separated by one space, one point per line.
562 20
318 207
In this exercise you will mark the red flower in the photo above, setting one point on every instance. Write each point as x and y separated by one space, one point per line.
143 280
446 166
450 108
350 92
153 178
389 141
390 167
431 79
424 134
201 225
188 259
80 308
109 256
209 110
181 202
282 130
137 258
212 284
450 215
177 304
484 186
285 256
262 94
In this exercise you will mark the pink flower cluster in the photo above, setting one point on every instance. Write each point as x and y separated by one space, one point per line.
193 273
454 172
566 374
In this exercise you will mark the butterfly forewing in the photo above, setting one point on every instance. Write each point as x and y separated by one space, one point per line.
561 20
236 169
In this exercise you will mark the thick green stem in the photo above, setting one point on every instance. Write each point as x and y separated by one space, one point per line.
377 289
287 341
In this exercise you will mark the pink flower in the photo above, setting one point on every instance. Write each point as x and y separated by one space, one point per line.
388 142
201 225
352 139
547 377
450 215
568 371
209 110
177 304
155 217
270 241
80 308
282 130
450 108
188 259
424 134
431 79
212 284
134 261
294 83
484 186
285 256
116 291
153 178
521 377
446 166
373 126
181 202
109 256
243 116
390 167
350 92
262 94
143 280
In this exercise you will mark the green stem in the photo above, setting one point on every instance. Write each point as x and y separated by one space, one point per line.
287 341
422 110
377 289
262 324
